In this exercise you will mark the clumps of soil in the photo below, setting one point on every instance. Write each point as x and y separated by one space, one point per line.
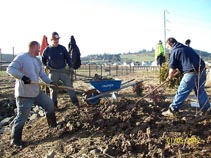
7 107
112 129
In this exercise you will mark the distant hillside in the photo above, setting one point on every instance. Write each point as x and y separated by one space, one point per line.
132 57
205 55
140 56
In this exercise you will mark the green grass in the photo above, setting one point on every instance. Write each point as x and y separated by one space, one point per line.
3 73
138 57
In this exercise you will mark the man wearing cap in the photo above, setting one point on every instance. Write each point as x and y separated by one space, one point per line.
187 42
55 57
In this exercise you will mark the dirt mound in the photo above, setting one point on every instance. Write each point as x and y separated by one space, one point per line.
114 128
111 129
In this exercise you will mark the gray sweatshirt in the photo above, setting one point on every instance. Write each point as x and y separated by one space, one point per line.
30 66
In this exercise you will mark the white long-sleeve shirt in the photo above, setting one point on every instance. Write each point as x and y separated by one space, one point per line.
29 66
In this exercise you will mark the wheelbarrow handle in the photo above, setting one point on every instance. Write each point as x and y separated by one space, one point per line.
107 92
127 82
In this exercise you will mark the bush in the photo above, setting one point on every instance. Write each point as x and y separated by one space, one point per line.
138 88
174 83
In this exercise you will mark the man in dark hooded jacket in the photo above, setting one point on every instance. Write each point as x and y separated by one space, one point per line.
188 62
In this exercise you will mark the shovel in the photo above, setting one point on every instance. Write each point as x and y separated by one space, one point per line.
50 85
175 74
151 92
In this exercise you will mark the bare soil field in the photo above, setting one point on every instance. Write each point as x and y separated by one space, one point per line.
114 128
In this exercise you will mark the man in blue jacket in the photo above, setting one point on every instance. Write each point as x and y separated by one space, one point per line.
188 62
55 58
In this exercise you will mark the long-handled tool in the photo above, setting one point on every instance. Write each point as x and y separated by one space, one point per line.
66 71
50 85
175 74
110 91
199 119
151 92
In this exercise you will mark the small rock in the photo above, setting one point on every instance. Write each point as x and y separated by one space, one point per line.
51 154
148 119
5 121
138 123
70 126
41 113
36 109
148 132
184 118
33 116
94 151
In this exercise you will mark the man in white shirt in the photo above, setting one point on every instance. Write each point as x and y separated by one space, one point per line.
27 68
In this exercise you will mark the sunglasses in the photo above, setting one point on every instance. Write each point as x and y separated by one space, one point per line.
55 39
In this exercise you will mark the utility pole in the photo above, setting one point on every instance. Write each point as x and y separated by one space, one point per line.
0 59
13 52
165 31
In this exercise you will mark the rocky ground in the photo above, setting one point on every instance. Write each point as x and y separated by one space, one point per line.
114 128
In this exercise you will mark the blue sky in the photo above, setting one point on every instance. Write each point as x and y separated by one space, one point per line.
105 26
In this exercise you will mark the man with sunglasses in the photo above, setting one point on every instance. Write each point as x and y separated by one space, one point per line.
56 57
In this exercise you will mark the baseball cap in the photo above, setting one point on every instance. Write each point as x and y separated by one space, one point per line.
55 35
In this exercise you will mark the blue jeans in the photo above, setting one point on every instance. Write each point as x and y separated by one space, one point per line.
188 83
24 106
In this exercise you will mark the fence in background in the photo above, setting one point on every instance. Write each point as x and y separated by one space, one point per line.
111 70
3 65
104 70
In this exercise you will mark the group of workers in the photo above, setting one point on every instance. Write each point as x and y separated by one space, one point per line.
28 69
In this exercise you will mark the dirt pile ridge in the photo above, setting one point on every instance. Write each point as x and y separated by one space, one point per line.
111 129
114 128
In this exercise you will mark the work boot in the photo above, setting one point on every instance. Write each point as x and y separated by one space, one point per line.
51 119
208 112
56 104
170 113
75 101
17 138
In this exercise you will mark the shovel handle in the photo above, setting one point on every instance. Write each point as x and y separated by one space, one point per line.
176 73
50 85
151 92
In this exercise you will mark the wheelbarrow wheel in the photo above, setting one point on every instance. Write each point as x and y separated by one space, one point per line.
91 93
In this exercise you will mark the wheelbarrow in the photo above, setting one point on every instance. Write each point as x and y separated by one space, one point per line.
102 88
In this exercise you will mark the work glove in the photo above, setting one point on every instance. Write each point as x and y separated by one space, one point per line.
47 67
53 84
26 80
71 70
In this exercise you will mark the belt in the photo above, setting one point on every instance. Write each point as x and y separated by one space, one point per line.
190 71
